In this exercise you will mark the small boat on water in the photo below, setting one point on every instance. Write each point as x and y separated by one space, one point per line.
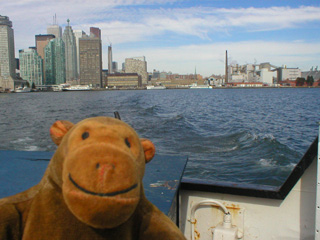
56 88
159 87
22 89
77 88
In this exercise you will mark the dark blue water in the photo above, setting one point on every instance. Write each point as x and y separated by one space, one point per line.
239 135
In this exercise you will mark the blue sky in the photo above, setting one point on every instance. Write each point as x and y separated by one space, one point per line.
180 36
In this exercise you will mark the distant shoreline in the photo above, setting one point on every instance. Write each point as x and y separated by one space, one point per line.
179 88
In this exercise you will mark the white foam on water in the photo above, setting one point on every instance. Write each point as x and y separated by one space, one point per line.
271 163
222 149
22 140
32 148
263 136
267 162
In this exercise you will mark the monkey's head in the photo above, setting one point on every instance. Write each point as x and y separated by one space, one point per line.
99 165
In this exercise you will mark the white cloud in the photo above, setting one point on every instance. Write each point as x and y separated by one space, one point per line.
137 22
269 18
126 23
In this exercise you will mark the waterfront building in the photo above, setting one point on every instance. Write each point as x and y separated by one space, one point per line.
266 73
248 73
137 65
104 77
55 67
242 73
170 80
216 81
70 53
7 55
291 74
245 84
78 34
90 60
123 80
31 66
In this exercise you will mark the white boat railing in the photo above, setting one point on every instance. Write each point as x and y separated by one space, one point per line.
289 211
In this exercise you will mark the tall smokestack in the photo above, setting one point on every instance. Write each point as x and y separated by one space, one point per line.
226 75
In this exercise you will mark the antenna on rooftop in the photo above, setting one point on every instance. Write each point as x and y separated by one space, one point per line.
54 19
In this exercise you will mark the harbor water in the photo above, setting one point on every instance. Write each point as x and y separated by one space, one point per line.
236 135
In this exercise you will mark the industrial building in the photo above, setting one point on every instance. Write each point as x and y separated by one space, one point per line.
290 74
124 80
265 73
314 72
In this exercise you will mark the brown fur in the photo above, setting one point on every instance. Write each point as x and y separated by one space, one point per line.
92 189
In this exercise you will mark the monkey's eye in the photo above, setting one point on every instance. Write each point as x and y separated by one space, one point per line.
127 142
85 135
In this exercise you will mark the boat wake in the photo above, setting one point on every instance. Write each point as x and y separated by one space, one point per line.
261 158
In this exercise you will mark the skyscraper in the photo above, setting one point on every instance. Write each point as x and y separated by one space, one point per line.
96 32
110 67
70 53
31 66
7 57
55 67
41 43
78 34
90 57
55 30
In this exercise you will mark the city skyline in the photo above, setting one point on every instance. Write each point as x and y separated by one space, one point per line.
178 36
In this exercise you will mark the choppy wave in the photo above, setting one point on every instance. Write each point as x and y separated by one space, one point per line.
250 136
275 164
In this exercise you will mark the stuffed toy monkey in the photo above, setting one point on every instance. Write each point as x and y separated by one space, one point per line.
92 189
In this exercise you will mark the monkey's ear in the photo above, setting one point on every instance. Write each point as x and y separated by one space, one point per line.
59 129
148 148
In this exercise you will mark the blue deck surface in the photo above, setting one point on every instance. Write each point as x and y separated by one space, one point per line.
20 170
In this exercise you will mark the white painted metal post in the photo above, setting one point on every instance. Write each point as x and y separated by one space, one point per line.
317 220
